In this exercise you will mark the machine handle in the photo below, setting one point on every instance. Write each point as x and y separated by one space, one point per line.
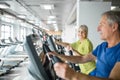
54 59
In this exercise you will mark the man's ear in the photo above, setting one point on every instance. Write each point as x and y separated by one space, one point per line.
115 26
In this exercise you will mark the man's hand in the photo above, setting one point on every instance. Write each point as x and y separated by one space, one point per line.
64 71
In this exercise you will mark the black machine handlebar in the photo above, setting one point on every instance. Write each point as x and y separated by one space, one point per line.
54 59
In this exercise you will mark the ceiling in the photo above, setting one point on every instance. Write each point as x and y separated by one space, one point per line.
64 10
61 10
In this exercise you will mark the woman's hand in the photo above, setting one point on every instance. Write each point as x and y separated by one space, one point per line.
69 48
53 53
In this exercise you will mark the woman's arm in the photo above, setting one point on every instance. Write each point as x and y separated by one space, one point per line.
75 59
64 44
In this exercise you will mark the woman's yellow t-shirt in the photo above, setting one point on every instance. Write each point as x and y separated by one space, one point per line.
84 48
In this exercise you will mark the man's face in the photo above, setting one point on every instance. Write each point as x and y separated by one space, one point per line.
104 28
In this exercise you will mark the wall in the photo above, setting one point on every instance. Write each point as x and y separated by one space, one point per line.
89 13
69 33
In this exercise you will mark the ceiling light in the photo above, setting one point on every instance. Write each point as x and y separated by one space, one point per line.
113 7
51 22
4 5
31 21
47 6
52 17
8 16
55 24
22 16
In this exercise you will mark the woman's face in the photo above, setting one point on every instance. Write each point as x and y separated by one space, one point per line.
81 34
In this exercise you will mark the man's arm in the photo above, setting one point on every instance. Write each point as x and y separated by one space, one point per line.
76 52
115 73
67 73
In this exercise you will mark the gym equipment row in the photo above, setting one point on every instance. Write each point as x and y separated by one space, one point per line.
10 55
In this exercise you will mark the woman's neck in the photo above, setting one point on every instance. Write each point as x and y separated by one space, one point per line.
82 39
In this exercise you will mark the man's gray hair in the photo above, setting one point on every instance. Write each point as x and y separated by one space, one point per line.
112 17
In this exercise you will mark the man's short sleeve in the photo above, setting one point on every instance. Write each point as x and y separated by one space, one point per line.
94 52
118 59
97 50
